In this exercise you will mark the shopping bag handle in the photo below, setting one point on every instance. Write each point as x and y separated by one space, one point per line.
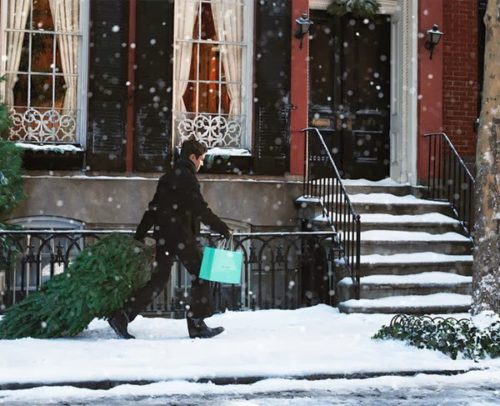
226 243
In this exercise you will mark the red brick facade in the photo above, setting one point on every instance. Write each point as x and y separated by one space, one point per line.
460 73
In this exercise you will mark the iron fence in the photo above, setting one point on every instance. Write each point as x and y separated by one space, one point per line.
449 179
277 271
322 180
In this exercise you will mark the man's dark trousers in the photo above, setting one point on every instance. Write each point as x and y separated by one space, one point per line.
190 255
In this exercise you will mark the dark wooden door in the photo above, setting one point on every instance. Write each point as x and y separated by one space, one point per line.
350 91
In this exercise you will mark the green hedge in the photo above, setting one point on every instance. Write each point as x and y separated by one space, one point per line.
448 335
98 282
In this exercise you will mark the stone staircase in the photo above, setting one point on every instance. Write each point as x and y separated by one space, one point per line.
415 257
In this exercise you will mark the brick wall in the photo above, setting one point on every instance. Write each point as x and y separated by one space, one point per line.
460 74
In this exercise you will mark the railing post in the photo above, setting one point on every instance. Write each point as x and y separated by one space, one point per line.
306 163
429 188
357 265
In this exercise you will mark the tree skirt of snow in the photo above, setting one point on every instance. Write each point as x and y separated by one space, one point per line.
266 343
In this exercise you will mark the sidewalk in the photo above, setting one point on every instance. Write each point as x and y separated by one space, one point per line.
311 343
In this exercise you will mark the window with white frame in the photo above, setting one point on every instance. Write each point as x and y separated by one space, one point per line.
209 71
41 46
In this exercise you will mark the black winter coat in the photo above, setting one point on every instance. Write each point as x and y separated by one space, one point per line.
178 207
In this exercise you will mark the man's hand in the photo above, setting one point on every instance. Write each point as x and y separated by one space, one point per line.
227 232
150 241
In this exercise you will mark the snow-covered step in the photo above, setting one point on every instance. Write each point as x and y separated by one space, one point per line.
392 204
395 242
434 223
355 186
415 256
411 263
416 304
426 283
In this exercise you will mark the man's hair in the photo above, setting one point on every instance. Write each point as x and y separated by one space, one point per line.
192 146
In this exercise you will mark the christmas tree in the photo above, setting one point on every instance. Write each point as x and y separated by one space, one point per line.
98 282
11 181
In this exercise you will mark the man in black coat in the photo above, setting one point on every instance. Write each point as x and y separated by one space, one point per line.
175 212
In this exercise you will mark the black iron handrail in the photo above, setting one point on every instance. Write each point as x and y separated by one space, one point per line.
273 276
449 179
322 180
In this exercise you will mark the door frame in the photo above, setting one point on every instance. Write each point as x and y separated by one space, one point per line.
404 88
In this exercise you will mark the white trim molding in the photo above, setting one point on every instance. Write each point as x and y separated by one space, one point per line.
404 90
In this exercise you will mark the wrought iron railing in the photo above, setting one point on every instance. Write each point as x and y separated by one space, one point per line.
278 266
322 180
449 179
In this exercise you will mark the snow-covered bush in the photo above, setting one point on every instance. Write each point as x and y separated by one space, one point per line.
448 335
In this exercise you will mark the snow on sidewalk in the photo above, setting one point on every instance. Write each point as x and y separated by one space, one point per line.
266 343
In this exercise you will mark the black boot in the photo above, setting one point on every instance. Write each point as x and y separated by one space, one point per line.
198 329
119 322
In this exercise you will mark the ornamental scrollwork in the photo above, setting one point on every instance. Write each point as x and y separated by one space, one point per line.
212 130
38 126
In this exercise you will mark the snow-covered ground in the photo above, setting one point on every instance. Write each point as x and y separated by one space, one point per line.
266 343
472 388
275 344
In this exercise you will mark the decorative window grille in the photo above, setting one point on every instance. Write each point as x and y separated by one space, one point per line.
209 62
41 43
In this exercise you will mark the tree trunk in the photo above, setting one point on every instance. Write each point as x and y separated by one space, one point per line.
486 267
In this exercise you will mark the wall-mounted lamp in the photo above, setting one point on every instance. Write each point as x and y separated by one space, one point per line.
303 26
433 37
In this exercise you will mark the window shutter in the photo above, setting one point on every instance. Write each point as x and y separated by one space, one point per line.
107 85
272 92
153 92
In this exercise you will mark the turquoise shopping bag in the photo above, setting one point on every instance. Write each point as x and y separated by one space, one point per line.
220 265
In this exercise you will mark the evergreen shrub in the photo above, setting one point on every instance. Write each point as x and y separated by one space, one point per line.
11 180
358 8
99 281
448 335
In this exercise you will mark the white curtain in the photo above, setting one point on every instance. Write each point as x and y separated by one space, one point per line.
18 13
66 16
185 16
228 20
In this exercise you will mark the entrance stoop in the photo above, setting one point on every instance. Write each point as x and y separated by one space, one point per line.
415 256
